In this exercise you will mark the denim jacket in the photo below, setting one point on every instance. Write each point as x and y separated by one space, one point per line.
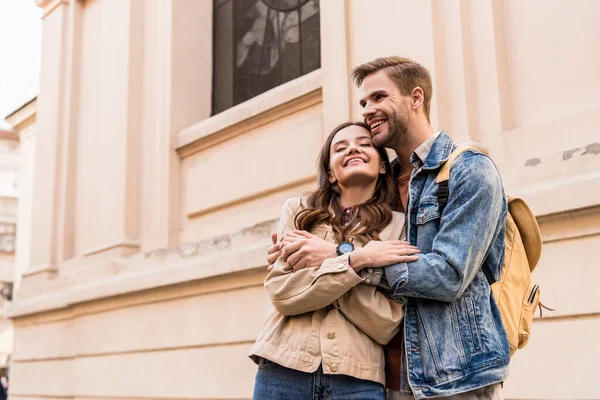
454 336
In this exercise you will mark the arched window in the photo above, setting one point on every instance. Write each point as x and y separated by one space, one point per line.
260 44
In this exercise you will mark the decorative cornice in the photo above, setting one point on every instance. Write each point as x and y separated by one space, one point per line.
50 5
9 134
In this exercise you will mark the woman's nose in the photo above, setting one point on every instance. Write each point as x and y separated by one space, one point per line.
352 148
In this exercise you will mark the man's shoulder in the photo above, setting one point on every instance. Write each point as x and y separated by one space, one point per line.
474 163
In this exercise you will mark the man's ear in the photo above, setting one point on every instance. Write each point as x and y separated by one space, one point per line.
417 97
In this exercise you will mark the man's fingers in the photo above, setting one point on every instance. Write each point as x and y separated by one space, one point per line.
300 265
292 237
302 233
295 258
290 249
270 267
271 258
274 249
408 251
274 237
398 242
407 258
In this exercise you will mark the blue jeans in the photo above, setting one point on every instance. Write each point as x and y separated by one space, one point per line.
274 382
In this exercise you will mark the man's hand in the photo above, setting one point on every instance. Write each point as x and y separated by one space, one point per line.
380 254
304 250
274 252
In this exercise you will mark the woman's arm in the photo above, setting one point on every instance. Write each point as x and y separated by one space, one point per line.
309 289
371 311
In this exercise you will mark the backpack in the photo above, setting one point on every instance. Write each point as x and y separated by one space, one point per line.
515 293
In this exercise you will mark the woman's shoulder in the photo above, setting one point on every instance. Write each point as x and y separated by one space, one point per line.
394 229
398 216
296 204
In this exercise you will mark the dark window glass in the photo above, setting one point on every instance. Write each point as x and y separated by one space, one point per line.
260 44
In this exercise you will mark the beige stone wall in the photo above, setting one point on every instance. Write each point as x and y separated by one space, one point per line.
147 221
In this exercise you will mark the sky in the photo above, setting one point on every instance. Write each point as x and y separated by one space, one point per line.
20 53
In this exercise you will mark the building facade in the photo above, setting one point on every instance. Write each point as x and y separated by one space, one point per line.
9 193
169 133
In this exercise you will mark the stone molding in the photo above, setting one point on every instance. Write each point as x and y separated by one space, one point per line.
234 253
274 104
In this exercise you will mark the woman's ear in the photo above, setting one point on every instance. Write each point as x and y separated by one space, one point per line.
382 169
331 178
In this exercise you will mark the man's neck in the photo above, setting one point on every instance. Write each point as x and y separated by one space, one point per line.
416 136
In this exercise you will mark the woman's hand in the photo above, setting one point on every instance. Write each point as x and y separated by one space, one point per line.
381 254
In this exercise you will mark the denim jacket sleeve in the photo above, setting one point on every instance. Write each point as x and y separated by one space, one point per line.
467 227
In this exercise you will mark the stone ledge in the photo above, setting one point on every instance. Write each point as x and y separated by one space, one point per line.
238 252
273 104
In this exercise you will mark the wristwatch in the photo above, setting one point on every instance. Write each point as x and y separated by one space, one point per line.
344 248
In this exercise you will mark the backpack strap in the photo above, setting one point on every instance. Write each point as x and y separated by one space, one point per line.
443 193
444 174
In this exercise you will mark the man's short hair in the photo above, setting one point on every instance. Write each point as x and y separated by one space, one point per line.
407 74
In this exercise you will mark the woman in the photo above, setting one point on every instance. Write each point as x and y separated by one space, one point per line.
324 336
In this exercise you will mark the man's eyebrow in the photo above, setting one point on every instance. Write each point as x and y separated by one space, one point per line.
362 102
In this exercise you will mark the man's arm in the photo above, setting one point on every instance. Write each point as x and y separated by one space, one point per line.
467 227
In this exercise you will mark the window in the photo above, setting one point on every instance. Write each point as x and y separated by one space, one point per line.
7 237
260 44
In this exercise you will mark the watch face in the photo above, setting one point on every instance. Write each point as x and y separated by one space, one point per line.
345 247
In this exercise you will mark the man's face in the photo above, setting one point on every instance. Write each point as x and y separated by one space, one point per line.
386 110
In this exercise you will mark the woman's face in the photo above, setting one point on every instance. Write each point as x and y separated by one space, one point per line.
353 160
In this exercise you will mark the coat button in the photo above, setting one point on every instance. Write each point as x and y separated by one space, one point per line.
333 367
331 335
340 266
367 280
370 270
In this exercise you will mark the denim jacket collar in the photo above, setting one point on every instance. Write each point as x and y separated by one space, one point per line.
439 153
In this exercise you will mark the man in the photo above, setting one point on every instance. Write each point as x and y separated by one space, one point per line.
454 342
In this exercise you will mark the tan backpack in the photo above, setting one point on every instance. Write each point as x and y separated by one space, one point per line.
515 293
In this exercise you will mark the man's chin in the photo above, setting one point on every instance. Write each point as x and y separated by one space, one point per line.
380 139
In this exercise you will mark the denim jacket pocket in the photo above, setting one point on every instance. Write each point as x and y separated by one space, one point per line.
429 209
473 323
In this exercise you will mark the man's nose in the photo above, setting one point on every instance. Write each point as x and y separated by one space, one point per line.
367 112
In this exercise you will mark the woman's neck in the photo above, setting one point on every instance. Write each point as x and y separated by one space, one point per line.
353 195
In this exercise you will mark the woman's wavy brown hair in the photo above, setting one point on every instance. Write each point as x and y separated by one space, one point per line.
324 207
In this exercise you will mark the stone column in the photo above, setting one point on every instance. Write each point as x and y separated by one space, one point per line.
43 256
